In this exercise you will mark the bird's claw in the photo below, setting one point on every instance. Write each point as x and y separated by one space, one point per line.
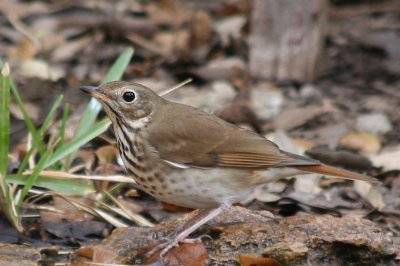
171 243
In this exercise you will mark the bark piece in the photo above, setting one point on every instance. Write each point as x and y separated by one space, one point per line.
286 38
298 240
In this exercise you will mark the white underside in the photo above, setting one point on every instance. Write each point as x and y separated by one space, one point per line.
208 188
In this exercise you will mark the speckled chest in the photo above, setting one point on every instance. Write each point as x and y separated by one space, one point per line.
189 187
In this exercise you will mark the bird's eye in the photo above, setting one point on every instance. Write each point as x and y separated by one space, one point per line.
129 96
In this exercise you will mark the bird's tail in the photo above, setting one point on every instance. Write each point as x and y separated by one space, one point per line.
334 171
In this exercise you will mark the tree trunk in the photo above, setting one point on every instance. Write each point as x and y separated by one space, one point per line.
286 38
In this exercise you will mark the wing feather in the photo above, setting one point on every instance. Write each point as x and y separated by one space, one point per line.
196 138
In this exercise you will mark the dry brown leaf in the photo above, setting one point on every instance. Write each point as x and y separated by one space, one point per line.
66 211
24 50
257 261
101 255
364 142
172 43
132 193
303 144
194 254
107 154
174 208
201 29
69 49
295 117
86 252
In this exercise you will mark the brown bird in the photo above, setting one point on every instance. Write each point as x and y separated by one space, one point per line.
186 157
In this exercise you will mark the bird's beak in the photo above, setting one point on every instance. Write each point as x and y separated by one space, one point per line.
89 89
93 91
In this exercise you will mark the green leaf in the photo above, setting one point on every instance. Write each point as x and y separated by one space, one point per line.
94 107
32 178
78 141
38 137
27 119
4 119
63 125
50 116
7 205
67 187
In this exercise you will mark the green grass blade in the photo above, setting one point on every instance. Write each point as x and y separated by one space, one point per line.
94 107
78 141
27 119
63 125
38 137
7 205
66 187
32 178
4 119
25 161
50 116
117 69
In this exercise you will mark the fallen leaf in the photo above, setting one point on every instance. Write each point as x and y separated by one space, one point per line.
343 158
101 255
86 252
295 117
308 183
107 154
364 142
194 254
174 208
26 49
267 100
370 194
388 160
229 28
374 123
41 69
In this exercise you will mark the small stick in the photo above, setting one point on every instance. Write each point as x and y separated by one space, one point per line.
176 87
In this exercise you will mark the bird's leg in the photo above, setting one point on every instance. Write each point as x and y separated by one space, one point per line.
188 227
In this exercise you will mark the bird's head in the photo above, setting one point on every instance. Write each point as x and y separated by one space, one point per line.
130 104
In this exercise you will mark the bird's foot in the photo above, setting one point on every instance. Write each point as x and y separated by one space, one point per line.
163 248
188 228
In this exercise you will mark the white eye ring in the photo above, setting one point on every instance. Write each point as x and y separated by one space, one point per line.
129 96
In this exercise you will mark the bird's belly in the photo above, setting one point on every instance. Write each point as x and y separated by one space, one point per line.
204 187
198 188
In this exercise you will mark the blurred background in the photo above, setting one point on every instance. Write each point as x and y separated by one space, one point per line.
319 77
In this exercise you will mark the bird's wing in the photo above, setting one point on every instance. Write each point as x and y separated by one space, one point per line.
195 138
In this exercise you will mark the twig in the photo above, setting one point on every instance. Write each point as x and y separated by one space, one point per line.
175 87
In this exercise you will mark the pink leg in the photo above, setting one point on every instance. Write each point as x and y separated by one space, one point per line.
181 236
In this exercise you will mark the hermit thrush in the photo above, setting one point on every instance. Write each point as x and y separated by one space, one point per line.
189 158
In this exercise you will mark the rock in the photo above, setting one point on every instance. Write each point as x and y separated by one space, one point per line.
18 255
297 240
374 123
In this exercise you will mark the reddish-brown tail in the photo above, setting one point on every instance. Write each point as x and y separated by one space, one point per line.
334 171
